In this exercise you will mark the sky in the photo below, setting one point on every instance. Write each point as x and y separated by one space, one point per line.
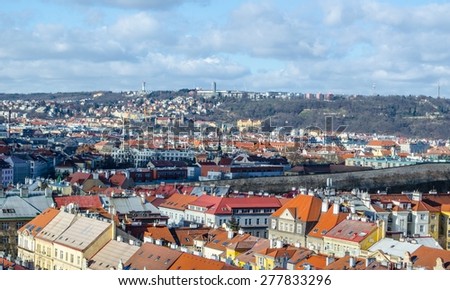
327 46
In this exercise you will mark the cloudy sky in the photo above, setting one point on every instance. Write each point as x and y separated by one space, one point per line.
338 46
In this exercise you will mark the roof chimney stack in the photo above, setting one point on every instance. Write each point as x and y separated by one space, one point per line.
325 205
352 262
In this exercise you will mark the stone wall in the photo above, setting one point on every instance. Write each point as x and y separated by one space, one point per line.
422 177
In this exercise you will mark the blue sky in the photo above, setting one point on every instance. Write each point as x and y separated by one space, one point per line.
338 46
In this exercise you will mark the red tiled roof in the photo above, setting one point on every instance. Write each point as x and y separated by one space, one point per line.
83 201
118 179
159 233
227 204
318 262
383 143
426 257
206 201
79 177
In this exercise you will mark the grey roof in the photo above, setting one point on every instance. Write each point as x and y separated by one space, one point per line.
14 206
80 234
393 247
125 205
427 241
111 255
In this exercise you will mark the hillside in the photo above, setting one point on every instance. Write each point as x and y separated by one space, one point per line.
421 117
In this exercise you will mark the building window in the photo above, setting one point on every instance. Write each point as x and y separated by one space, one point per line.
61 255
78 260
19 225
421 228
71 258
5 226
433 228
274 224
56 253
257 221
299 228
423 217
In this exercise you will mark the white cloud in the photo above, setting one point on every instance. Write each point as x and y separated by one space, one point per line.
338 45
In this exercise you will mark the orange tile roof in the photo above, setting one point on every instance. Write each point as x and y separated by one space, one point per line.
35 225
304 207
318 262
383 143
191 262
426 257
227 204
421 206
159 233
178 201
326 222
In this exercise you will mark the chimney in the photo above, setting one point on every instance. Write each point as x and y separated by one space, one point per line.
24 192
439 264
325 205
407 261
279 244
120 265
48 192
329 260
352 262
336 208
417 196
369 261
230 234
352 208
